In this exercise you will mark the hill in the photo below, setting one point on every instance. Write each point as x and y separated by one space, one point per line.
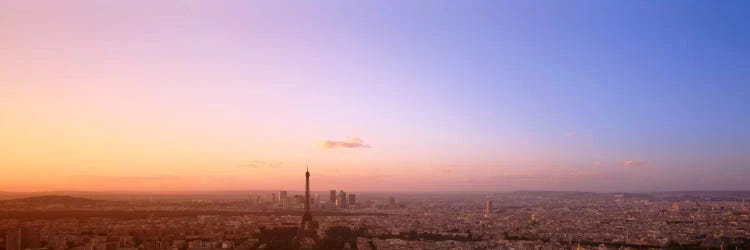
47 200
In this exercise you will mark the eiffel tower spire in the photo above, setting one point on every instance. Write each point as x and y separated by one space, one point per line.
307 237
307 190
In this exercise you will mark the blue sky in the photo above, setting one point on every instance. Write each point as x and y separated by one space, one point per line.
561 95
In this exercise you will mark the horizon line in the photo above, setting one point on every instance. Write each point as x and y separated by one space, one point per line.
363 191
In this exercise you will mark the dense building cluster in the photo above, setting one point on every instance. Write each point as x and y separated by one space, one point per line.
521 220
339 199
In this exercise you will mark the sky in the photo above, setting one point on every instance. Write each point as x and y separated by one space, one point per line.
605 96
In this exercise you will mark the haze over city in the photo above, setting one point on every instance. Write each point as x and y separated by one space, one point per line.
602 96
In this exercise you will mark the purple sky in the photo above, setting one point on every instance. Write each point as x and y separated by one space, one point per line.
374 95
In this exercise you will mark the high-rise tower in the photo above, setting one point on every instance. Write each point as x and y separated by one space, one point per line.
332 198
283 200
23 237
488 209
307 236
342 199
307 193
352 199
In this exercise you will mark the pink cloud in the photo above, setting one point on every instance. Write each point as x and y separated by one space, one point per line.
576 134
443 170
635 163
120 179
262 164
351 142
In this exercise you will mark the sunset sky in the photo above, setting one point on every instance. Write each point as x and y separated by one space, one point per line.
375 95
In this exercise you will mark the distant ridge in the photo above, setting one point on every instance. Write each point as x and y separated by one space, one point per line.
53 199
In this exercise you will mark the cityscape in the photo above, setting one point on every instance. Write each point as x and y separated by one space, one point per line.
515 220
374 125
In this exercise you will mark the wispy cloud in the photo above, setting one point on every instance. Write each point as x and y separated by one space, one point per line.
635 163
598 163
351 142
443 170
262 164
576 134
148 178
508 177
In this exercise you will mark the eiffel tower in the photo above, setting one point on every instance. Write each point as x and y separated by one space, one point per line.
307 236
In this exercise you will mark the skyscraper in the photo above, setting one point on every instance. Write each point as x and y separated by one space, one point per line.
283 199
332 199
315 201
488 208
12 239
342 199
352 199
23 237
307 236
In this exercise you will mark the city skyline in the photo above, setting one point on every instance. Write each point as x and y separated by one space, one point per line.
375 96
